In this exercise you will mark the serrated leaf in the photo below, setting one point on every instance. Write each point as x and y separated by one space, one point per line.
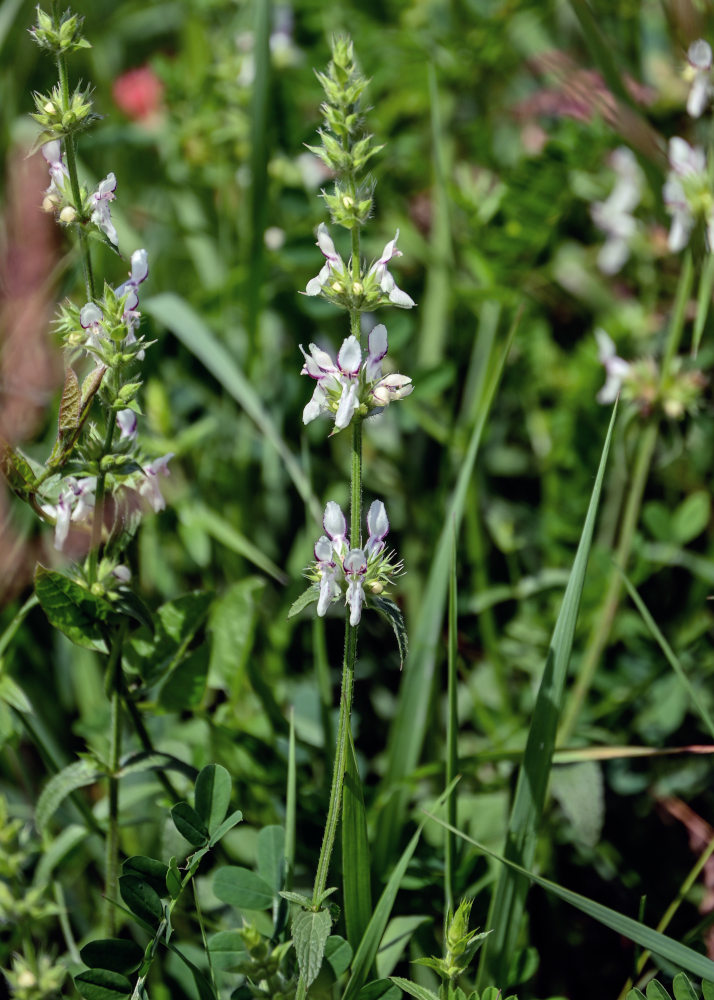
297 897
310 933
114 954
389 610
72 608
213 795
308 597
228 823
69 404
79 774
141 899
101 984
226 949
189 824
148 870
242 888
682 988
413 989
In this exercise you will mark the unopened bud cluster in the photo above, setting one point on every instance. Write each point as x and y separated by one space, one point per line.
263 965
59 37
59 117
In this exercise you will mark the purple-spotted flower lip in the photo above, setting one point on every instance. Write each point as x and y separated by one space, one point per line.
149 488
385 280
139 272
75 503
333 262
127 424
101 215
52 152
354 565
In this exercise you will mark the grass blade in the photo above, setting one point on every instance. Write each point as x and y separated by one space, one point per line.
659 944
185 323
452 729
357 895
508 901
409 727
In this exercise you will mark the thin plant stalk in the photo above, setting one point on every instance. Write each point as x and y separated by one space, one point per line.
112 845
99 501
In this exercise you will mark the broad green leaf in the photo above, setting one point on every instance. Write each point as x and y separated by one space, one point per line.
707 989
308 597
338 954
389 610
682 989
374 932
310 933
242 888
141 899
101 984
114 954
656 991
190 328
271 856
396 938
659 944
72 608
131 605
509 898
155 654
635 994
380 989
413 989
357 892
213 795
228 823
691 517
189 824
76 775
148 870
226 949
231 626
415 702
174 881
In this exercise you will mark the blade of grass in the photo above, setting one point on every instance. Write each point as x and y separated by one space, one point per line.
409 727
357 895
452 729
185 323
659 944
259 116
669 654
509 897
706 283
224 532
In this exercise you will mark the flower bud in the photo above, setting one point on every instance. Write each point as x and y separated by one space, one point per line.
68 214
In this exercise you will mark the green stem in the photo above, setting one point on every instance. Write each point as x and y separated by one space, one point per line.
99 501
71 154
112 847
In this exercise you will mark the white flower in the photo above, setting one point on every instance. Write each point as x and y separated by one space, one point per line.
101 216
327 567
90 318
150 486
126 421
699 56
333 262
687 193
378 525
614 215
75 503
335 525
52 152
355 569
616 370
385 280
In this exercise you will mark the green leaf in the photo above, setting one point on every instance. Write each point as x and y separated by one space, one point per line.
413 989
310 933
228 823
17 471
690 518
101 984
190 328
189 824
396 938
509 897
369 944
380 989
76 775
69 404
242 888
145 760
131 605
72 608
148 870
185 686
141 899
231 626
213 795
357 893
114 954
57 850
210 521
308 597
656 991
226 949
389 610
338 954
155 654
174 881
271 856
635 994
12 694
707 989
682 988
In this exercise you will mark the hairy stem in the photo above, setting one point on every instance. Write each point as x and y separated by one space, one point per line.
112 846
99 493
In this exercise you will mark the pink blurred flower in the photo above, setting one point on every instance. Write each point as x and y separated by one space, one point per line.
138 93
